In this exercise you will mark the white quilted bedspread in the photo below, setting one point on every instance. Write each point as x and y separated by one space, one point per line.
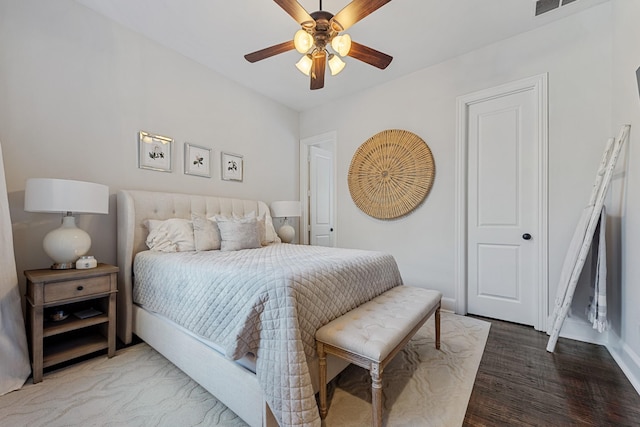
268 301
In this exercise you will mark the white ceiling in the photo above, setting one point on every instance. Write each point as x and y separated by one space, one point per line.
417 33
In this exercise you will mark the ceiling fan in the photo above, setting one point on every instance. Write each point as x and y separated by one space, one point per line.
320 30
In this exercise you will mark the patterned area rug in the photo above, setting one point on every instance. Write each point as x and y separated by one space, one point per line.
422 386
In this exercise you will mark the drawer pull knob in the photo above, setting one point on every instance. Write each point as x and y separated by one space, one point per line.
80 287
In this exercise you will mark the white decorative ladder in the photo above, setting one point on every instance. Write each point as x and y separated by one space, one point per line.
583 235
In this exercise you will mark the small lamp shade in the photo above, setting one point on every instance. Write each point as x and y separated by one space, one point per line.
67 243
286 209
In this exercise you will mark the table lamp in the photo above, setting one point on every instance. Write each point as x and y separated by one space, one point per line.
286 210
67 243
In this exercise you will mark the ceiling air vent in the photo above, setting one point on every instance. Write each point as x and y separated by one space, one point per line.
543 6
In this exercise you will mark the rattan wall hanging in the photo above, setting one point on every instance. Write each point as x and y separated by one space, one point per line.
391 174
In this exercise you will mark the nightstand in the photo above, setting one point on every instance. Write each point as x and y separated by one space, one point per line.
87 298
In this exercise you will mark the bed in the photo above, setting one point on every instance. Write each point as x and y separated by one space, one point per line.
241 322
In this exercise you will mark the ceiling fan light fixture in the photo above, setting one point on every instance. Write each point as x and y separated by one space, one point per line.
304 65
302 41
341 44
336 64
320 29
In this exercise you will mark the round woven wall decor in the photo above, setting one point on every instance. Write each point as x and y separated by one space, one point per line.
391 173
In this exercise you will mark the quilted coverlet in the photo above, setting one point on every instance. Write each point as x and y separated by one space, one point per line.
269 302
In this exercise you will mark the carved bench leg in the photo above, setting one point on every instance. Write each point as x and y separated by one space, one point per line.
322 362
376 394
438 328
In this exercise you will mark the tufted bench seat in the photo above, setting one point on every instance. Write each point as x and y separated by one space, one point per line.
372 334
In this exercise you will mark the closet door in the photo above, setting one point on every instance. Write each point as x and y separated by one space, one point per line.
502 210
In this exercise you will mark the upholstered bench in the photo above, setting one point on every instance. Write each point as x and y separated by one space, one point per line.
372 334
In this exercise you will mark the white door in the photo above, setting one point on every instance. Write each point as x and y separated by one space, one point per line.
502 207
320 196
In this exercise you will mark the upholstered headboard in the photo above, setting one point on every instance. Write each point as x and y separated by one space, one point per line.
135 206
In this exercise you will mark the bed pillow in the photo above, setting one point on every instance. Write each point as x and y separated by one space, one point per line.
265 227
238 233
170 235
206 234
270 232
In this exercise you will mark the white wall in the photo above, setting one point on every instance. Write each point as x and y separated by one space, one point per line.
625 343
76 88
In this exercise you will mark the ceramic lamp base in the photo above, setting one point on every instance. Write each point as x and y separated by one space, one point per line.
286 233
66 244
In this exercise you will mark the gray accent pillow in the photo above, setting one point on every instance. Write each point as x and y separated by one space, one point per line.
206 234
238 233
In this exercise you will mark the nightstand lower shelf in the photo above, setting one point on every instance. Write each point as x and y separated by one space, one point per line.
59 351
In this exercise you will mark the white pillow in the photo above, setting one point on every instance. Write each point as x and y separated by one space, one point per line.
238 233
171 235
206 234
270 232
265 227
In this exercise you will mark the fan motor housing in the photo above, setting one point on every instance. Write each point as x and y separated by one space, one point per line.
323 32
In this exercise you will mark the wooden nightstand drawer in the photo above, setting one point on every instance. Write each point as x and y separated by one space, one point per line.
76 289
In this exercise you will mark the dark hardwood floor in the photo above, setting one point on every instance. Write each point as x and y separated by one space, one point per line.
519 383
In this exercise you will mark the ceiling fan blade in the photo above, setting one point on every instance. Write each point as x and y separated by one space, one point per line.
355 11
317 69
369 55
297 12
269 51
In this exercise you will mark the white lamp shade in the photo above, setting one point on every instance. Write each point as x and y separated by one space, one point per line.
285 209
67 243
63 195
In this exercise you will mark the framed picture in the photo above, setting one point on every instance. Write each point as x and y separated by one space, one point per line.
231 166
197 160
154 152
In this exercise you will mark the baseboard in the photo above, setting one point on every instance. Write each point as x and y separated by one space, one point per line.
626 358
448 304
581 330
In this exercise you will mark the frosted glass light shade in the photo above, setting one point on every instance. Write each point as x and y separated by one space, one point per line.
304 65
67 243
341 44
302 41
335 64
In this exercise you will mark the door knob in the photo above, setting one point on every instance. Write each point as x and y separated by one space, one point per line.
331 229
526 236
